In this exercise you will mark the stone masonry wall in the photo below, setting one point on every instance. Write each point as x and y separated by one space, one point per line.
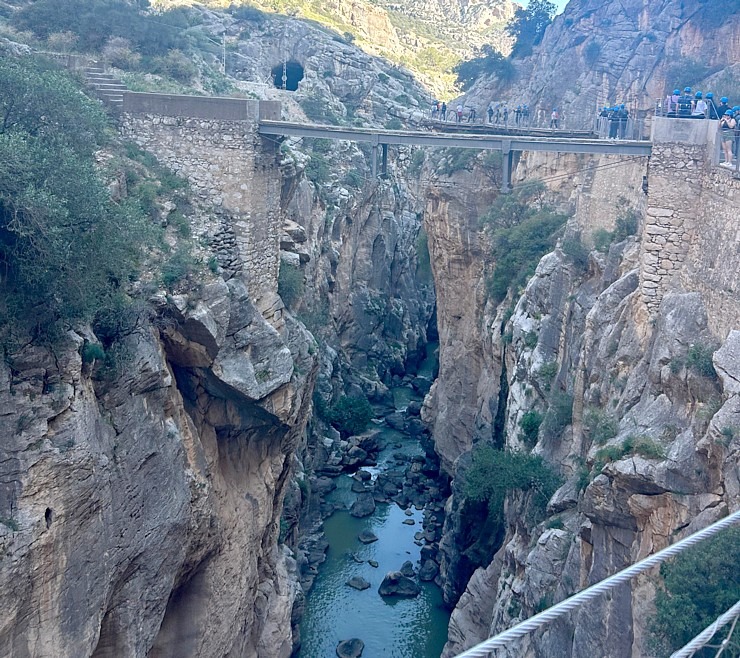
691 231
229 167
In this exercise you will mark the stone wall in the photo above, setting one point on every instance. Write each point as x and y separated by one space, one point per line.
689 241
229 166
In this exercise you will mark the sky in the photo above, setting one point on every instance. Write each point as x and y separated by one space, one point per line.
560 4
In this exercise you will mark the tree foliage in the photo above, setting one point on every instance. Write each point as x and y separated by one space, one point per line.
94 22
525 229
487 62
698 586
529 24
350 414
66 250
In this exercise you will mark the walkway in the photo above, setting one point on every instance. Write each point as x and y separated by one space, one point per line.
507 144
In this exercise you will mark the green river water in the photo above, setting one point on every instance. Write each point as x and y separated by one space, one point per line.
389 627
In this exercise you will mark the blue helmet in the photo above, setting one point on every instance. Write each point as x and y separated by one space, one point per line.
621 107
697 94
687 90
723 99
736 108
676 92
709 95
730 112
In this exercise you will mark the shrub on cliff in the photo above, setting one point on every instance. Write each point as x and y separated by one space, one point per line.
524 229
66 250
492 475
487 62
290 284
350 415
697 587
93 22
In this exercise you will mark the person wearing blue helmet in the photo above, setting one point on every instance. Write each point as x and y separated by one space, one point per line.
685 103
722 107
711 106
623 116
727 125
700 106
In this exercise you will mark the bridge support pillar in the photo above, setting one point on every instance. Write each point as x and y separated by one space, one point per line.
506 165
384 164
374 159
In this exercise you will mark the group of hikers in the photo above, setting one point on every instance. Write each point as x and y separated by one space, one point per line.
498 114
613 121
695 105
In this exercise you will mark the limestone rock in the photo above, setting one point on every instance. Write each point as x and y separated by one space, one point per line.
396 584
363 506
367 537
358 582
350 648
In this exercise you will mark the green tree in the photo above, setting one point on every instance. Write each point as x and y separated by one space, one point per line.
66 250
350 414
698 586
487 62
529 25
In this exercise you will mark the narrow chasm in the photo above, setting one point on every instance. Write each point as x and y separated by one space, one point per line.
382 505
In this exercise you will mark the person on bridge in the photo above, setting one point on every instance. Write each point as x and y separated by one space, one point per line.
613 122
685 103
517 115
459 114
497 117
727 125
700 106
435 109
490 112
554 119
525 114
471 115
723 107
443 111
711 106
623 116
506 115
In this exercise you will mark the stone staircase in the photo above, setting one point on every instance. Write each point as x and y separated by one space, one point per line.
107 88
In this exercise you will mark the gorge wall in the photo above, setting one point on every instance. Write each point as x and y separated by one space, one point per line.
620 357
141 496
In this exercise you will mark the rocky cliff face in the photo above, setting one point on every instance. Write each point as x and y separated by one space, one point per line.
140 504
597 54
640 433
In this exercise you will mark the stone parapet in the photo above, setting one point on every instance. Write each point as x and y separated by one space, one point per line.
691 229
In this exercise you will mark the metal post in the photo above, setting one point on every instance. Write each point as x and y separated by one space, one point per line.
506 167
384 165
285 74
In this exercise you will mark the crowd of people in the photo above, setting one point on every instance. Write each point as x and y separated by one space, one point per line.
496 114
695 105
613 121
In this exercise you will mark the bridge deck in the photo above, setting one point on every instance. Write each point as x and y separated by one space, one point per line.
505 143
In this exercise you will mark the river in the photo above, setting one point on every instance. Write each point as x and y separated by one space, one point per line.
390 627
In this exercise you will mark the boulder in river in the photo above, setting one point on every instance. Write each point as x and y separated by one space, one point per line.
350 648
367 537
363 506
358 582
359 487
396 420
354 457
396 584
407 569
373 563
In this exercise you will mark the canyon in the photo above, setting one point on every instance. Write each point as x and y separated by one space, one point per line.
175 507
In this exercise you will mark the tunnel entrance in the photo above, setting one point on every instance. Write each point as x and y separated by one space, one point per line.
287 75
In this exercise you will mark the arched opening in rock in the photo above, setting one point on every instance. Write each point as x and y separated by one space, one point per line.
287 75
49 517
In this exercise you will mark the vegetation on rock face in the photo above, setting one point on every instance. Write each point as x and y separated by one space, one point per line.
94 22
487 62
493 475
697 587
523 229
350 415
290 284
67 251
529 25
